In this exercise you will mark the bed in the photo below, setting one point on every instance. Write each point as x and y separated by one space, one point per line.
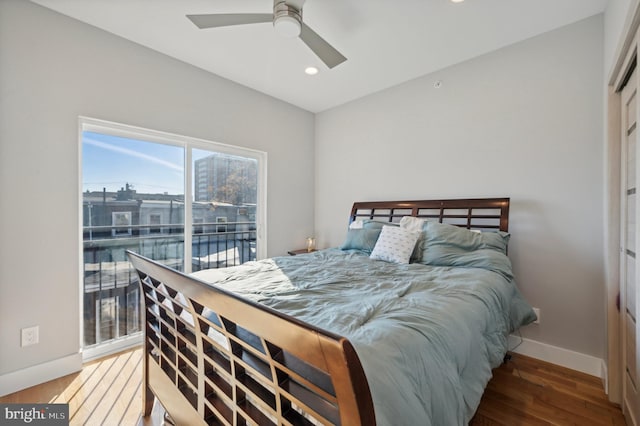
338 336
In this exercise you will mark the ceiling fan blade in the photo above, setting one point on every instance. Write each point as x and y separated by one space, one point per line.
327 53
227 19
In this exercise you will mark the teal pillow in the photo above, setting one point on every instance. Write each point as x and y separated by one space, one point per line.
449 245
361 239
461 238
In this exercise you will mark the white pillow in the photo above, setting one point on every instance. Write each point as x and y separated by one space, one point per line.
357 224
414 224
394 244
411 223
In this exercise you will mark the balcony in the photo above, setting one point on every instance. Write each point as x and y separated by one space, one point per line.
111 294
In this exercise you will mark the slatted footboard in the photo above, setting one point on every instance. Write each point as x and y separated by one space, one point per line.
212 357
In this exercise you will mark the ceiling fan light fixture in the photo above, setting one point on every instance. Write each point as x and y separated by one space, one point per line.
287 20
287 26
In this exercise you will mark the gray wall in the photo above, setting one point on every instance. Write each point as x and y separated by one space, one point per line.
53 69
615 16
525 122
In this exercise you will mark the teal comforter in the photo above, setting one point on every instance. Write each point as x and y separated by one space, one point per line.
427 336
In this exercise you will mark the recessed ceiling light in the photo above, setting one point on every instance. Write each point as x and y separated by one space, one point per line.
457 1
311 70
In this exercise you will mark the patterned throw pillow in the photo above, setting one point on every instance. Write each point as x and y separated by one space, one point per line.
395 244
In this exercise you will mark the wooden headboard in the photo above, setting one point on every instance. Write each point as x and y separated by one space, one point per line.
471 213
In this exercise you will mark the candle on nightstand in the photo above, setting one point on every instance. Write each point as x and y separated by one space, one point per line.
311 244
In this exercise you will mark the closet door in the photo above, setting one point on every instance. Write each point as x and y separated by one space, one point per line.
628 284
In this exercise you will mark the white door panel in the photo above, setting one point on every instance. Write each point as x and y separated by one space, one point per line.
629 236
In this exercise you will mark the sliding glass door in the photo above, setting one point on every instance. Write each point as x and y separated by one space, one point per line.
187 203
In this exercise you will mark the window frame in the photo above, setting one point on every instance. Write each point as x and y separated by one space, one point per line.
117 230
155 228
187 143
221 224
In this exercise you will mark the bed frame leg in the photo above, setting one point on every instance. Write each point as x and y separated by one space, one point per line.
168 420
147 400
147 396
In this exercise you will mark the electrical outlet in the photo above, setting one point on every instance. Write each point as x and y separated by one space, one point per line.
537 311
30 336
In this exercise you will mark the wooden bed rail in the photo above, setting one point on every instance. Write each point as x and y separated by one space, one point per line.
212 357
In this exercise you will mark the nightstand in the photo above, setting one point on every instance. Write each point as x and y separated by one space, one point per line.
301 251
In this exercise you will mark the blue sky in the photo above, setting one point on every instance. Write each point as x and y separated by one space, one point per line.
111 162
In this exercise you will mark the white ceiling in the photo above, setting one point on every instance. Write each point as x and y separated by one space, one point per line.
386 42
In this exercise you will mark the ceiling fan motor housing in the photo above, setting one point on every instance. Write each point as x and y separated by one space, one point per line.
287 20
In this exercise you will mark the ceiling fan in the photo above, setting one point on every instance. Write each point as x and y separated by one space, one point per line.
287 21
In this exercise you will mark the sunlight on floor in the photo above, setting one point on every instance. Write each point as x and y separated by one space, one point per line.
106 391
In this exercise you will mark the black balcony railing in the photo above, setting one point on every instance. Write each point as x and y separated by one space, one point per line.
111 295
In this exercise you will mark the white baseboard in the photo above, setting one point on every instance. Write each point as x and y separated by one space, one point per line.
22 379
564 357
31 376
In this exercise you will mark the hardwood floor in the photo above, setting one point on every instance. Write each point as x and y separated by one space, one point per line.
524 391
106 392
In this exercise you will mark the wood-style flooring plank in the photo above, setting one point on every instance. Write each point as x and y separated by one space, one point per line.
522 392
532 392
